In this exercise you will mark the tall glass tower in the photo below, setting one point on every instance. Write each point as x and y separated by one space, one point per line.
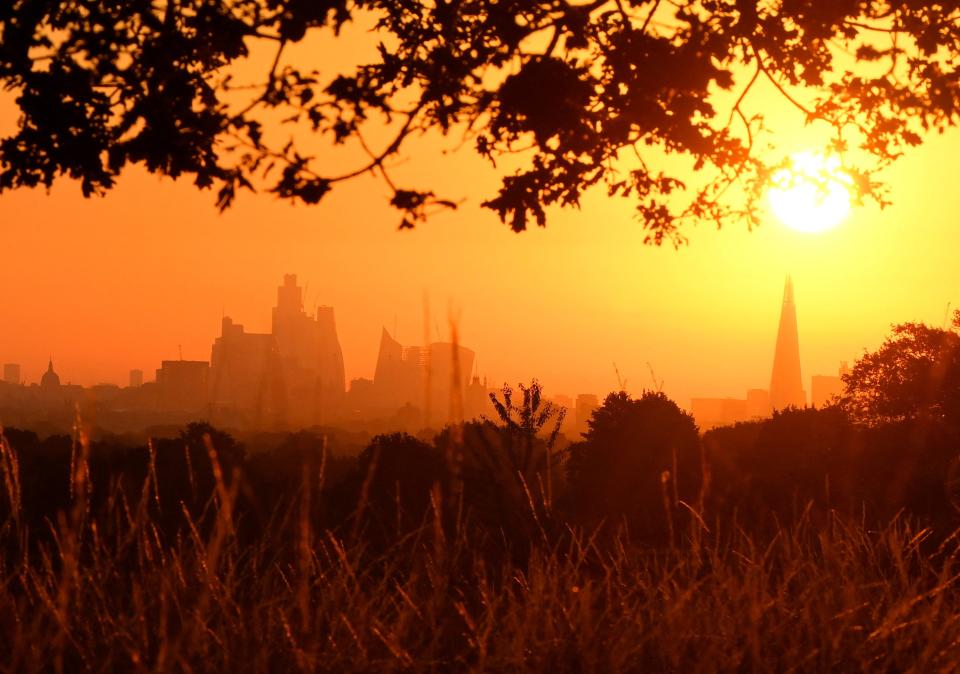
786 385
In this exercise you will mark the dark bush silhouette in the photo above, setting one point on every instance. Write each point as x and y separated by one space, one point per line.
184 470
500 478
640 460
769 471
504 475
388 493
44 474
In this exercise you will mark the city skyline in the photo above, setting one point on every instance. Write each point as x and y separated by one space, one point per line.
284 356
786 387
360 349
291 377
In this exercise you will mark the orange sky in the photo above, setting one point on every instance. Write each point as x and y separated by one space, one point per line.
106 285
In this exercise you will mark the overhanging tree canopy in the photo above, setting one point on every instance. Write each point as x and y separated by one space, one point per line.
596 93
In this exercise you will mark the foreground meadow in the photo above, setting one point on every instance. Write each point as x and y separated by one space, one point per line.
129 576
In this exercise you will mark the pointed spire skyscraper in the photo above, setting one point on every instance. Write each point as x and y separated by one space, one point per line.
786 385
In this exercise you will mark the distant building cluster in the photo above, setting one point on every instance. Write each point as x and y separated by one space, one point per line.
434 379
291 377
786 383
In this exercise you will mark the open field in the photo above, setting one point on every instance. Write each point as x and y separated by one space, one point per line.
109 584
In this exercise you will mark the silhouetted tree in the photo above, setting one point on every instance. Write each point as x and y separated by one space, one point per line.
102 85
532 419
281 468
503 473
389 490
44 473
184 470
913 377
178 475
812 462
639 459
779 465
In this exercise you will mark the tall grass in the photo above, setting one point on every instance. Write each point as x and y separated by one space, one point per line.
106 591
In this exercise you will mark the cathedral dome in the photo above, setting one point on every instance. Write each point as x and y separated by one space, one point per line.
50 379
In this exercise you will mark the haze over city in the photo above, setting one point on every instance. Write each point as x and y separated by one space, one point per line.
107 285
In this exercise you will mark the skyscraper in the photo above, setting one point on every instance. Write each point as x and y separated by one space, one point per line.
182 384
786 387
246 377
11 373
311 356
432 378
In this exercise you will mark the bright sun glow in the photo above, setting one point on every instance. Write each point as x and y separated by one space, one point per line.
812 194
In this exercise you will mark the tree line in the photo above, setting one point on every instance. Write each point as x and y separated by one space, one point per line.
888 446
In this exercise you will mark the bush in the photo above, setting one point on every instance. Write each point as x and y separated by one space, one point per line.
639 460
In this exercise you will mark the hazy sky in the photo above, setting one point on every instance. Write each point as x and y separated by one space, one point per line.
106 285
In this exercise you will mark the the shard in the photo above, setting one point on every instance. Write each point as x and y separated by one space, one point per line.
786 387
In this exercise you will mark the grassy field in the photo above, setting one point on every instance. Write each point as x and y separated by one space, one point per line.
107 591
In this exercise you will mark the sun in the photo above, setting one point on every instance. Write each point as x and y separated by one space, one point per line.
812 194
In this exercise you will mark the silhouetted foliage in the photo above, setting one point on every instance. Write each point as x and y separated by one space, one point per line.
393 481
500 475
913 377
819 462
531 428
579 86
639 459
778 466
509 469
185 475
300 466
283 466
44 471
